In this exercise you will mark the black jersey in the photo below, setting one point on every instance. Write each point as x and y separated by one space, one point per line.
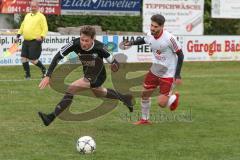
91 59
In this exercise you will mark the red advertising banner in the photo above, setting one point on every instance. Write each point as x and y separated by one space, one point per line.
22 6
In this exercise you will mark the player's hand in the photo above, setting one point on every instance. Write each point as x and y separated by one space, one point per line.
44 83
178 81
127 43
124 45
39 39
16 40
115 66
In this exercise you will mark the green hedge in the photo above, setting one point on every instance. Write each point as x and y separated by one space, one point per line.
112 23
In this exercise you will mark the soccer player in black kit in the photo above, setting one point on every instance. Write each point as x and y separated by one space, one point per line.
91 53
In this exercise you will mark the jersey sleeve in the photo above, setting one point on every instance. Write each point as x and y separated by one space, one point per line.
139 41
68 48
44 26
20 31
65 50
147 38
174 44
104 52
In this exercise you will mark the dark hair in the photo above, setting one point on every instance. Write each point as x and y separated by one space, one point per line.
159 19
88 30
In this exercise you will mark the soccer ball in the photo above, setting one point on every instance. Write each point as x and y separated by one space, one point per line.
86 145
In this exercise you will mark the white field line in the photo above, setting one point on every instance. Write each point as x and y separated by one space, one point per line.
18 80
184 77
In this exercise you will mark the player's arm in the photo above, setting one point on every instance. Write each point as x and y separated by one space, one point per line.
176 48
46 80
59 56
20 31
110 59
179 64
114 63
139 41
44 27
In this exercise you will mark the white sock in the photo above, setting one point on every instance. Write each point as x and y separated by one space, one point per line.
171 99
145 108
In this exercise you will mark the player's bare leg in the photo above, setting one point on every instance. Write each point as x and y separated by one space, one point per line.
77 86
167 98
145 107
162 100
170 101
112 94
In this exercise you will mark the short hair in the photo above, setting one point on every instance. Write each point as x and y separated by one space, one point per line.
88 30
159 19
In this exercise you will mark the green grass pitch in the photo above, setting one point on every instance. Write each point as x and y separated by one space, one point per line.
206 126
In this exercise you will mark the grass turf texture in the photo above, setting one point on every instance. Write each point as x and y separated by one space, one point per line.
205 126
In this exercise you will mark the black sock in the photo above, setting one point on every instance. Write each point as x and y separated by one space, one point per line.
41 66
51 116
63 104
26 68
112 94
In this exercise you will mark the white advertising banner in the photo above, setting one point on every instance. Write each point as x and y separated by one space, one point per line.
211 48
195 48
182 17
50 46
225 8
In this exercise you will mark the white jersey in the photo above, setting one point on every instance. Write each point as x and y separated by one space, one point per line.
164 54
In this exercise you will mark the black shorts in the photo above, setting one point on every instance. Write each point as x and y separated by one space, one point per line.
97 81
31 49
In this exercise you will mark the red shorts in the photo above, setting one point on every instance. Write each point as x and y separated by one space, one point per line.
152 81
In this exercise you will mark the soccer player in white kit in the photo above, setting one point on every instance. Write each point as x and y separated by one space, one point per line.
165 70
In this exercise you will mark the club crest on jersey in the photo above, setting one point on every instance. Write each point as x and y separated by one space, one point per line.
95 55
158 52
158 55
